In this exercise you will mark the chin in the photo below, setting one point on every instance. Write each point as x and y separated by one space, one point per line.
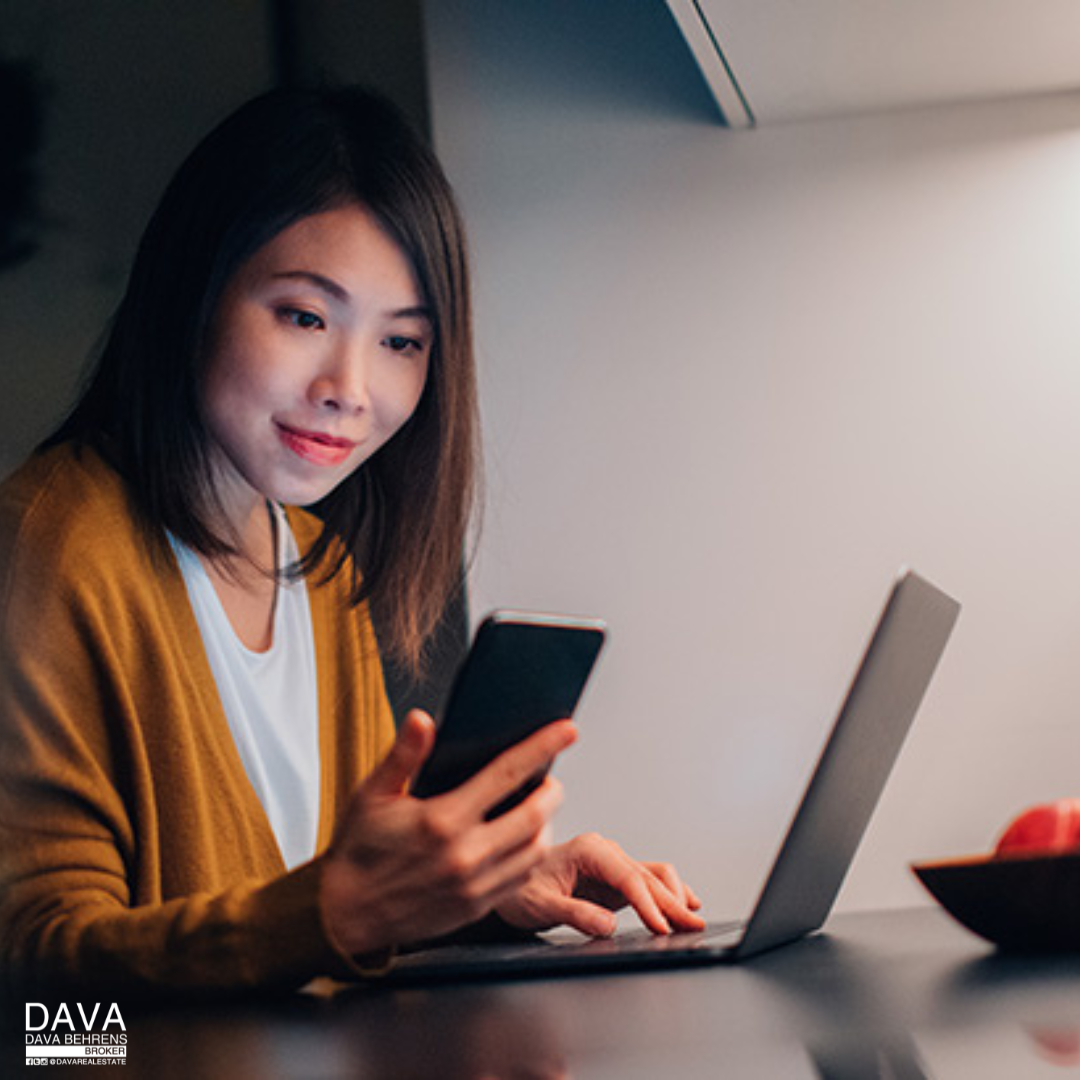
306 494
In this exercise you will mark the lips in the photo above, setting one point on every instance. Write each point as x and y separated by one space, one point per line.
316 447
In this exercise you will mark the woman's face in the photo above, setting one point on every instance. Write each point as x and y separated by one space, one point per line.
318 354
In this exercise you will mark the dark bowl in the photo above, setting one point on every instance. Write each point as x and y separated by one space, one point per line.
1022 903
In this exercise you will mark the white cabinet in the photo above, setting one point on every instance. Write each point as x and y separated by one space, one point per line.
774 60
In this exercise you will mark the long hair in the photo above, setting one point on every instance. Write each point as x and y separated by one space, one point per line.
398 525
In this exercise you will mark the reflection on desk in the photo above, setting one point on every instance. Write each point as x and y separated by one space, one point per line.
900 995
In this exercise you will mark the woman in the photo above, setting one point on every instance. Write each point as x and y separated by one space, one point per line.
200 785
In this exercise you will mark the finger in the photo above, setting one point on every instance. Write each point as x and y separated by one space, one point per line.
635 888
658 907
527 822
580 915
676 910
413 744
670 877
625 880
505 878
504 775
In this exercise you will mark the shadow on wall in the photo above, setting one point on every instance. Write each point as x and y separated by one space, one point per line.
21 110
634 56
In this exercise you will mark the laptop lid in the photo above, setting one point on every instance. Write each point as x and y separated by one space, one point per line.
855 764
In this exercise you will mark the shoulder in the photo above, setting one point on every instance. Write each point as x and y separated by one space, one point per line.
65 508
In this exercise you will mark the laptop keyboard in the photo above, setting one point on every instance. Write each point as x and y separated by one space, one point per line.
636 940
551 951
713 934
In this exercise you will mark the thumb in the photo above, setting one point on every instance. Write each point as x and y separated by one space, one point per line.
580 915
415 738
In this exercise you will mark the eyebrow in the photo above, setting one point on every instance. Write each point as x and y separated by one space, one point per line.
333 289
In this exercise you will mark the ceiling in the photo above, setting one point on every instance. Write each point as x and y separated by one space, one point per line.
770 61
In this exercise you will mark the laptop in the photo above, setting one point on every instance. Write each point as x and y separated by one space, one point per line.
855 763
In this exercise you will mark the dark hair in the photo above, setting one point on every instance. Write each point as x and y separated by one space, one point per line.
401 520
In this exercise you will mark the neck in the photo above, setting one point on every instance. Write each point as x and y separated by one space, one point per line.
254 537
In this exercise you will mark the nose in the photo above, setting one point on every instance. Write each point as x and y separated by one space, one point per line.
341 384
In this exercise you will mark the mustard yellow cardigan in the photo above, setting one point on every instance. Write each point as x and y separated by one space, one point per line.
133 849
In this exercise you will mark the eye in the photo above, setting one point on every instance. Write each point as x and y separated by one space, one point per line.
400 343
302 320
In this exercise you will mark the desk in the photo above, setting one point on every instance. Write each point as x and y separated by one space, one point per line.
904 994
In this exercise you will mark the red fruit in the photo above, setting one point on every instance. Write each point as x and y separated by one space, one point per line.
1052 828
1061 1046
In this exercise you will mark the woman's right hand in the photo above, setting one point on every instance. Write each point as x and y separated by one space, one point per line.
402 869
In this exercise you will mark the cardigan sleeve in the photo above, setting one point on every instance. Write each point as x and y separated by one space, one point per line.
63 929
103 880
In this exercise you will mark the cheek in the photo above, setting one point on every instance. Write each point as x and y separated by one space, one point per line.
401 394
416 390
242 363
227 395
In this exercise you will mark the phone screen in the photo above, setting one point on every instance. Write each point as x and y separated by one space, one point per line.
523 671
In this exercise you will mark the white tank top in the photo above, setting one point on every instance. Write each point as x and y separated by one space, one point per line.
270 698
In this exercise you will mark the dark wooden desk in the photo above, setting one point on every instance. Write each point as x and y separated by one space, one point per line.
902 994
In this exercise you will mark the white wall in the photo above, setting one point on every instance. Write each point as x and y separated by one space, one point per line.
731 381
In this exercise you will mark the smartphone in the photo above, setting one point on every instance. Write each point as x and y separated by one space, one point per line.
524 670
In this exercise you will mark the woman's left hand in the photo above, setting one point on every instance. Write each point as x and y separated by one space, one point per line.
582 882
